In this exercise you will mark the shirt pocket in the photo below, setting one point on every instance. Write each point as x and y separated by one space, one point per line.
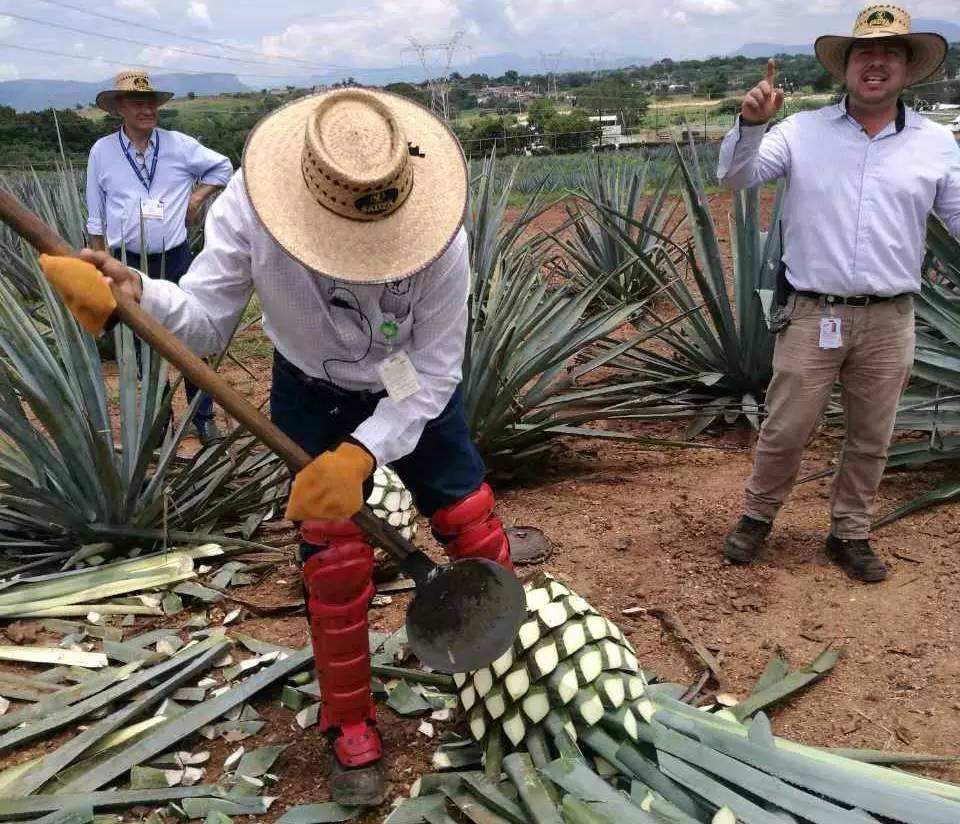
395 322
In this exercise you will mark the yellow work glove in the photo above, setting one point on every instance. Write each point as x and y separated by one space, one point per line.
331 486
83 289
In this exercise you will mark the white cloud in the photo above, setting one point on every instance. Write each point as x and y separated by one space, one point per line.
678 17
711 6
199 13
373 35
146 6
8 71
7 24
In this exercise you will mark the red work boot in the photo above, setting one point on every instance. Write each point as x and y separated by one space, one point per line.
336 566
469 529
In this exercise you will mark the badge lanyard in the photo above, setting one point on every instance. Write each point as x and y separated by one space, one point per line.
136 169
398 374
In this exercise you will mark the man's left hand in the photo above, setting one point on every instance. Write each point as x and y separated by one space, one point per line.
331 486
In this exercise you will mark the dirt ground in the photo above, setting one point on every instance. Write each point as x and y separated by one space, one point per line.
635 527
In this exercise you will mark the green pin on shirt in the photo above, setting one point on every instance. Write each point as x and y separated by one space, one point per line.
389 329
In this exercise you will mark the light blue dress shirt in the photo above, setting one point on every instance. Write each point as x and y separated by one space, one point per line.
120 181
856 207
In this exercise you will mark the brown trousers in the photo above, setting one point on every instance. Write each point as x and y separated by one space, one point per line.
873 365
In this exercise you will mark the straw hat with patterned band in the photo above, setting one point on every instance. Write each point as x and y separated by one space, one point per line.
359 185
130 81
928 49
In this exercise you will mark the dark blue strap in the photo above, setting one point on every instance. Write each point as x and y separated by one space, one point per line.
136 169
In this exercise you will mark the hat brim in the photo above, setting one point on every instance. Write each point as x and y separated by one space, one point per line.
929 51
375 251
107 100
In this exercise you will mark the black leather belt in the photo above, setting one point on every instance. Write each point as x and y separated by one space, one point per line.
312 382
852 300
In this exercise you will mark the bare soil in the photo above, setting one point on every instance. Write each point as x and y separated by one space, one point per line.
634 527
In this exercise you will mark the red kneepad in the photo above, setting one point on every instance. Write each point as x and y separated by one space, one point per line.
337 565
469 529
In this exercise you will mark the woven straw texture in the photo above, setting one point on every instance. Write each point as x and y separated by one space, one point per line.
332 179
129 81
929 49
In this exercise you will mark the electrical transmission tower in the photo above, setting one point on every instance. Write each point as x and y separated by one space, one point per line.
551 63
436 59
598 59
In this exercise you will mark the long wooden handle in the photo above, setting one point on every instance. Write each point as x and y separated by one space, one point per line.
26 224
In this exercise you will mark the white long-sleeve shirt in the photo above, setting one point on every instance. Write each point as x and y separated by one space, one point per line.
119 179
329 329
855 209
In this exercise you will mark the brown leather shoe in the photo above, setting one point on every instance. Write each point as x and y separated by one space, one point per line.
742 543
857 557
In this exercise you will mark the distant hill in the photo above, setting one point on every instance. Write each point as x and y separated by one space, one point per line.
493 65
35 95
949 30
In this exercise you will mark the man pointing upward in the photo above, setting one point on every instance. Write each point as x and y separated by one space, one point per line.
862 177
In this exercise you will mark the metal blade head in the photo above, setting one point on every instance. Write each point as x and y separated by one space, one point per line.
465 615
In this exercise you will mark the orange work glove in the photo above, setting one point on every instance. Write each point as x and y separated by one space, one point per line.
331 486
83 289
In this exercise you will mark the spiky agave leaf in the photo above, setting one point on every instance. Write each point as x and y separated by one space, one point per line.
68 478
532 339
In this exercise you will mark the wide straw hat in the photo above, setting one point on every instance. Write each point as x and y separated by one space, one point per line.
130 81
928 49
357 184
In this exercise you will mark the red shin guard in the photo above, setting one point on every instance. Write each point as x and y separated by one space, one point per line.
336 566
469 529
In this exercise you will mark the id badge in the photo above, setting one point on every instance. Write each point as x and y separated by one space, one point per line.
399 376
830 335
151 208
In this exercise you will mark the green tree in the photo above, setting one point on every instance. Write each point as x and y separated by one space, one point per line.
823 83
539 112
615 93
416 93
716 87
570 131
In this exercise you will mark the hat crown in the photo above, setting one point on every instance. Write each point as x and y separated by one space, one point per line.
882 20
355 158
133 80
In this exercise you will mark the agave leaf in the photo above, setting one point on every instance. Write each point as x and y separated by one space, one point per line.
531 788
853 784
53 655
714 791
190 721
191 662
318 814
752 781
789 684
103 697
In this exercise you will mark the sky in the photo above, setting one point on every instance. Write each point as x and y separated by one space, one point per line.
300 38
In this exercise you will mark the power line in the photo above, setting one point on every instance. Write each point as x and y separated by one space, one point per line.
218 44
137 42
126 63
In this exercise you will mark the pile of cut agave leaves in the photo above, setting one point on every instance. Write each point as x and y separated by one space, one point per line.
572 730
564 727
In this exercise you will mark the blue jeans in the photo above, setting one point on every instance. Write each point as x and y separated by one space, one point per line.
443 468
172 265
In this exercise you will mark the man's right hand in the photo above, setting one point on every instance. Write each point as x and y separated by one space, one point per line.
115 272
763 101
83 288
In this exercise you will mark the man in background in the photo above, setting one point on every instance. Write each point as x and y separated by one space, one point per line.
862 177
145 187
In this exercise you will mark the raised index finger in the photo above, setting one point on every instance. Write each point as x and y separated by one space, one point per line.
771 71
